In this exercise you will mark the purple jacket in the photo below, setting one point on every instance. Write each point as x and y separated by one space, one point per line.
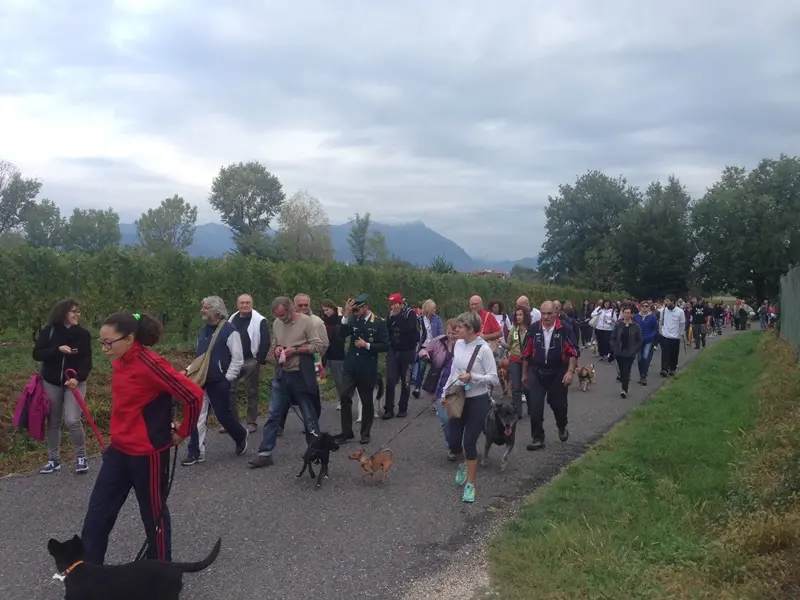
440 359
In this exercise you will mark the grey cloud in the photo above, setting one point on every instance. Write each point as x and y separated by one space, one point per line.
487 111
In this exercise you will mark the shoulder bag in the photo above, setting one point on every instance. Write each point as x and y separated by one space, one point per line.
198 370
456 395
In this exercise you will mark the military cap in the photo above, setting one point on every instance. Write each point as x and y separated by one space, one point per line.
361 299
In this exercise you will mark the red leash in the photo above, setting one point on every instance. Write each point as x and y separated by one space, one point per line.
72 374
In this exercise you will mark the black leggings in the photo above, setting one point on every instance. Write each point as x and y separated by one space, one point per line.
469 426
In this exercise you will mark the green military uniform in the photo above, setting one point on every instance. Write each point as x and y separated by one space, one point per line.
361 367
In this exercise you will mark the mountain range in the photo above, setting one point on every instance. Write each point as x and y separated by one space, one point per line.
412 242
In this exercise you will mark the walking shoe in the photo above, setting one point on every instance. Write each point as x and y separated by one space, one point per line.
469 493
260 460
563 434
402 414
241 447
343 438
672 373
461 474
252 427
364 439
535 445
663 373
623 394
642 380
389 414
192 460
452 456
416 393
81 465
51 467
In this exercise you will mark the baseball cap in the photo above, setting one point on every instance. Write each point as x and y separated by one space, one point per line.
395 298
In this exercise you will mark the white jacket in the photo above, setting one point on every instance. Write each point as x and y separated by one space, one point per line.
672 322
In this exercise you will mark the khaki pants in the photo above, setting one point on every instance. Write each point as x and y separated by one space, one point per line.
250 373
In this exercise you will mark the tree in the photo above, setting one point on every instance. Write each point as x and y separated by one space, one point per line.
441 265
171 225
601 268
526 274
655 243
305 231
583 216
91 230
44 225
16 196
248 197
748 228
365 246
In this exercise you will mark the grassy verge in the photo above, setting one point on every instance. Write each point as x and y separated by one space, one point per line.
19 453
692 496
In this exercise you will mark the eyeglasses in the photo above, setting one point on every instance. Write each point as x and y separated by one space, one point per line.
107 345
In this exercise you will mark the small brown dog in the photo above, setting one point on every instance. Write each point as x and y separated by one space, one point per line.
380 461
502 375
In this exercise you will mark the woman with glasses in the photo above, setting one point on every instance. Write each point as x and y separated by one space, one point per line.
64 345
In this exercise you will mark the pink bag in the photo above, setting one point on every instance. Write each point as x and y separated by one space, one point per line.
33 408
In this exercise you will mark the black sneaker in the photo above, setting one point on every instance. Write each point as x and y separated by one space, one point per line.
536 445
672 373
416 393
241 446
643 381
259 460
343 438
402 414
623 394
663 373
389 414
563 434
364 440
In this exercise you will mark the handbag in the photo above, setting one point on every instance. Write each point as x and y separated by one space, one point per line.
456 395
593 321
198 370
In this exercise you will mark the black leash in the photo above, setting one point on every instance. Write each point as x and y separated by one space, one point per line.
160 520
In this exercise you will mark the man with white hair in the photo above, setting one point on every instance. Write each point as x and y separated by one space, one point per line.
221 340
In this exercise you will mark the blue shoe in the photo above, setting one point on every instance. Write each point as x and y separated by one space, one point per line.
51 467
81 465
469 493
461 475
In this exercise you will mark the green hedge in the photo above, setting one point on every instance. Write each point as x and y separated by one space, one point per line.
172 285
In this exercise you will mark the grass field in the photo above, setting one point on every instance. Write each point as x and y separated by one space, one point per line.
694 495
19 453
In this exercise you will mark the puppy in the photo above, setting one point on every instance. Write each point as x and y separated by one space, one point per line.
593 347
376 401
319 452
500 428
502 375
380 461
586 377
140 580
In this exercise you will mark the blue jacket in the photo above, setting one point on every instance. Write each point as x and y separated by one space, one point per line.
220 354
648 325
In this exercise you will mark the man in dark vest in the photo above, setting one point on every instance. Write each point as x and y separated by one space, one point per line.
368 338
548 365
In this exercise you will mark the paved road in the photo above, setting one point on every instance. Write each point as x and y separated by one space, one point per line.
283 538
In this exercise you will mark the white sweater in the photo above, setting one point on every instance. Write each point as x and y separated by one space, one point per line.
484 371
605 318
673 322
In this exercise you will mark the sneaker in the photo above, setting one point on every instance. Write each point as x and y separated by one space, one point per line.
623 394
452 456
402 414
461 474
260 460
416 393
535 445
563 434
343 438
192 460
643 381
81 465
51 467
469 493
241 447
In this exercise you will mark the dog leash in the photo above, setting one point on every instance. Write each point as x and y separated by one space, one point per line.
402 429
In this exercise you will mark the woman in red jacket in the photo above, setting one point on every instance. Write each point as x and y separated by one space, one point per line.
143 385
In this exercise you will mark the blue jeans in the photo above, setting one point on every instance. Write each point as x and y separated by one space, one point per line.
763 320
279 401
418 372
644 357
441 412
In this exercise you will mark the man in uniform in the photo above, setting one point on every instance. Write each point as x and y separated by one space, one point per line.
368 338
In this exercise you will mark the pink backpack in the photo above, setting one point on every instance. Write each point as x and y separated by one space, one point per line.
33 407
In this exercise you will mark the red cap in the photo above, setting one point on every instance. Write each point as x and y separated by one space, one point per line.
395 299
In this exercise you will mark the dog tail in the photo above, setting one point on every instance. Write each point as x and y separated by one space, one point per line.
203 564
379 385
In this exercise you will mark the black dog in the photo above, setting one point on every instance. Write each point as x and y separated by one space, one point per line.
140 580
319 452
500 428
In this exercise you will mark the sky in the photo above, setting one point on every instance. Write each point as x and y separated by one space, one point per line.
463 114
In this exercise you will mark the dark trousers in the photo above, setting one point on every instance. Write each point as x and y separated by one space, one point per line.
463 432
365 384
550 387
515 374
625 365
149 478
603 342
219 397
398 363
670 348
316 401
699 330
586 333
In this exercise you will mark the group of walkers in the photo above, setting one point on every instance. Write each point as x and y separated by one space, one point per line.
540 349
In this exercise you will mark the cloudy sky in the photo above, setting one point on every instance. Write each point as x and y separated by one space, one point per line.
463 114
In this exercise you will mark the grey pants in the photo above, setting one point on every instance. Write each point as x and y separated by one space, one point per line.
64 408
250 374
336 368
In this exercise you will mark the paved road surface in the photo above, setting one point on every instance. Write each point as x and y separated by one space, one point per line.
282 538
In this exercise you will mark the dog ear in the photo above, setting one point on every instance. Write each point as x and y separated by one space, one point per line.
53 545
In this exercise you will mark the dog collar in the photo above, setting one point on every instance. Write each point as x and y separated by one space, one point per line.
70 568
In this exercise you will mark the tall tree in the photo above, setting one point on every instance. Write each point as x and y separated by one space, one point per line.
655 242
305 231
583 216
17 195
248 197
171 225
366 246
91 230
44 225
601 268
748 228
441 265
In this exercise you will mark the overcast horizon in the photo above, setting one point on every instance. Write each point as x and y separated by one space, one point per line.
465 119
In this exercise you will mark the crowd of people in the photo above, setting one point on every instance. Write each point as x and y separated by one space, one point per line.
539 348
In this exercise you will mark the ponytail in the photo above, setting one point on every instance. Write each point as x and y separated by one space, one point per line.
146 330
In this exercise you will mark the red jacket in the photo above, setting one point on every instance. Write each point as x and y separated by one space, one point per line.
143 385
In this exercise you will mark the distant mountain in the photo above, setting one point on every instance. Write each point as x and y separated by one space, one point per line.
412 242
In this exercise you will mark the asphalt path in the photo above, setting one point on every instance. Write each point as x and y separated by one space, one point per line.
282 537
